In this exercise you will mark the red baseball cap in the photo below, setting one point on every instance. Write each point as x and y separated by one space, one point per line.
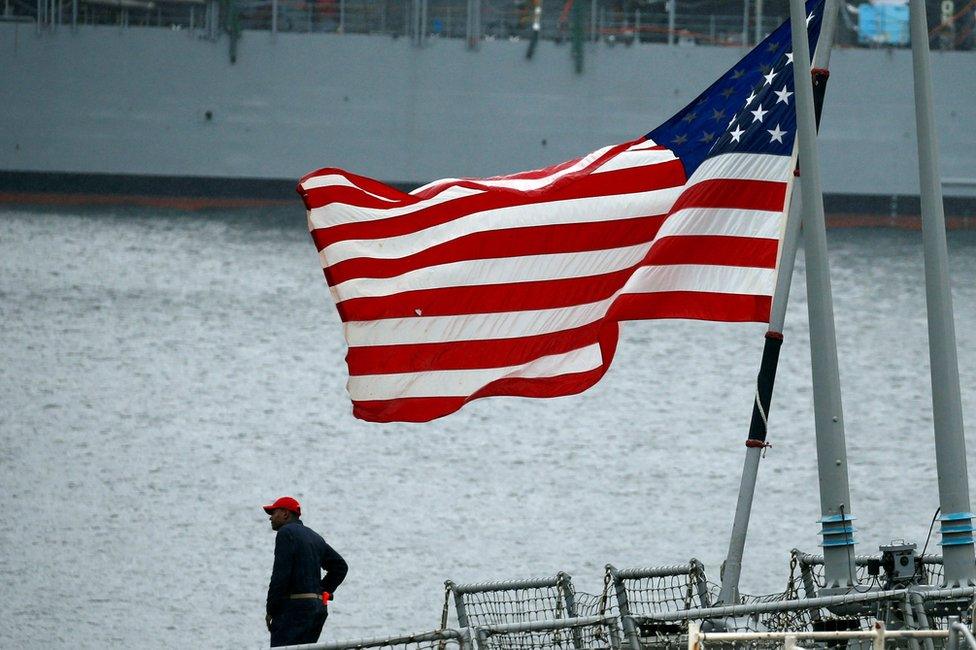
288 503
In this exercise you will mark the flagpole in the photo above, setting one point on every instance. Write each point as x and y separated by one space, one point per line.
835 499
950 441
756 442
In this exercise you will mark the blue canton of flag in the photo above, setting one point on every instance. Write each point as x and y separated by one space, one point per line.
749 109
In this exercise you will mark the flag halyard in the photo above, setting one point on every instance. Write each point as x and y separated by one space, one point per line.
514 285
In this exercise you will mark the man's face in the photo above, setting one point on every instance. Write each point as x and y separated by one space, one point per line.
279 517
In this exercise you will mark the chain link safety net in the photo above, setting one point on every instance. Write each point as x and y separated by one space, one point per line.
655 589
490 605
589 636
436 640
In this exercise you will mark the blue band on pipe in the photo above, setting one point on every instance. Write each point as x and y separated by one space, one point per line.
957 541
957 516
830 519
846 541
844 530
964 528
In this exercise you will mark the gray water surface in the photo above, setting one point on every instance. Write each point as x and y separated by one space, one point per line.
163 374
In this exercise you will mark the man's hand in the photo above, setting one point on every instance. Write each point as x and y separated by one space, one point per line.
267 619
326 597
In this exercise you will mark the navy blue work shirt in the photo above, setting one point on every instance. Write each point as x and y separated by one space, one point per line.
300 554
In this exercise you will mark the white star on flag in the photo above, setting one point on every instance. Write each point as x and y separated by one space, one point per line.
736 134
769 78
777 135
758 114
789 58
784 96
751 97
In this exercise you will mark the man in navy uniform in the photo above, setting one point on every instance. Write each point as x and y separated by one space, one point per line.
298 596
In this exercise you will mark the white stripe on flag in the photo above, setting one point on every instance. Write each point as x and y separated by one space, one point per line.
472 273
461 383
337 214
746 280
636 158
744 166
763 224
333 180
524 184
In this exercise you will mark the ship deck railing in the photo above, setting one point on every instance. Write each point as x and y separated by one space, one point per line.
957 636
472 21
559 635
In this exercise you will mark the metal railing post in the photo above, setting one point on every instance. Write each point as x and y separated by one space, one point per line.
806 575
697 575
693 631
626 621
879 635
759 20
953 642
466 641
459 609
481 635
423 21
672 10
921 618
565 585
745 23
593 35
909 620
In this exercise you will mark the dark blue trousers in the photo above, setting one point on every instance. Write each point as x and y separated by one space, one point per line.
300 621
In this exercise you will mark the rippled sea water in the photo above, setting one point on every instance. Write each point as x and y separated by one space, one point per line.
163 374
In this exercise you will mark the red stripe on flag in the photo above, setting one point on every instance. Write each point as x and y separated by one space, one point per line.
714 250
485 299
733 193
694 305
509 242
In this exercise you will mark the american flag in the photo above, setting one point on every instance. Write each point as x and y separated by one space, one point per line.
514 285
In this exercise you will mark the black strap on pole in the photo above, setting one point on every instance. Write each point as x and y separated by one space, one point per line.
758 427
764 390
820 76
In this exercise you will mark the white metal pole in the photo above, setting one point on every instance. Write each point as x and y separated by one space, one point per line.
950 440
879 635
672 10
835 500
593 34
777 318
759 20
745 23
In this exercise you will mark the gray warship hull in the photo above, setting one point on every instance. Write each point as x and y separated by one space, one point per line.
144 110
